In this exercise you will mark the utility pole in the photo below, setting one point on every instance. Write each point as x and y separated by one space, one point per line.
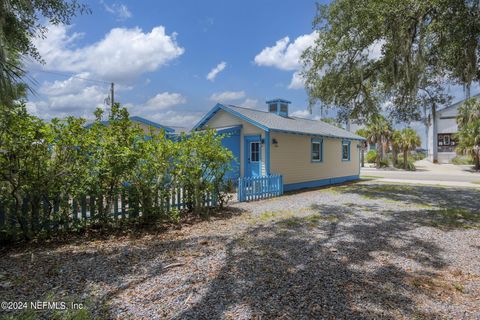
112 91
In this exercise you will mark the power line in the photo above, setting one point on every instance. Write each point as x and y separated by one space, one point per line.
71 75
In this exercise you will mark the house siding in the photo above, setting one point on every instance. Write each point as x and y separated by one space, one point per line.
446 123
224 119
292 159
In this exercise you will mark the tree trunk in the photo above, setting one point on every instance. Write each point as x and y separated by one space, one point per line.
434 134
363 156
395 157
405 159
477 161
379 155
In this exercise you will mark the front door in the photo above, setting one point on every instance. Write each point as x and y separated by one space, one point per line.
253 156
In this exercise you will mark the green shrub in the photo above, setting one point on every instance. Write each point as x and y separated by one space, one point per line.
462 160
384 163
410 164
419 155
371 156
51 172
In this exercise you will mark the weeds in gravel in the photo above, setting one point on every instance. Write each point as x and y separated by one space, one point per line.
459 287
453 218
310 221
424 206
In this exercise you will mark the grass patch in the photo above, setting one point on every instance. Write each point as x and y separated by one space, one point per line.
371 177
476 182
424 206
273 215
310 221
454 218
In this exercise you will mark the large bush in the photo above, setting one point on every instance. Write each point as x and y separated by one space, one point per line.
64 175
463 160
371 156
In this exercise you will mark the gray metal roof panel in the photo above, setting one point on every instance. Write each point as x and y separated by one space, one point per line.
294 124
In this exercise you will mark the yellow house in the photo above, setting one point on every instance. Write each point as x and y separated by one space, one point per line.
306 153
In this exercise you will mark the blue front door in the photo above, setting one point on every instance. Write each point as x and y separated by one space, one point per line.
253 156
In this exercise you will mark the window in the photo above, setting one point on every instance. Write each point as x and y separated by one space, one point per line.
283 108
345 150
272 107
446 140
254 151
317 152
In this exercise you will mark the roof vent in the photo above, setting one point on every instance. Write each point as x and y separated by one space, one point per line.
278 106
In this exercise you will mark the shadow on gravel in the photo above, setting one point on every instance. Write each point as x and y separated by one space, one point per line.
420 195
46 271
320 268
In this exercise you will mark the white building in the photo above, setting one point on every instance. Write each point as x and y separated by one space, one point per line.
441 133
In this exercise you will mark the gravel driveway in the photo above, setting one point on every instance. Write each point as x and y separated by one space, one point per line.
359 251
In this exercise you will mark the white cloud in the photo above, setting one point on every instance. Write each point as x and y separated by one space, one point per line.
250 103
227 96
285 55
71 97
122 54
298 82
175 118
165 100
215 71
305 114
117 9
163 108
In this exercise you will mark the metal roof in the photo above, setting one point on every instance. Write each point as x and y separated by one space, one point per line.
272 122
458 103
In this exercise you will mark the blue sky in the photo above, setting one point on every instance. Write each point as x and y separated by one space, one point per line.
171 61
160 53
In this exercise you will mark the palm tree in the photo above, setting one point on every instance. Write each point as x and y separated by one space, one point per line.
468 135
363 133
378 130
395 144
409 140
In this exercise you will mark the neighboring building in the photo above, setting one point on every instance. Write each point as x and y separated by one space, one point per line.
148 126
307 153
441 133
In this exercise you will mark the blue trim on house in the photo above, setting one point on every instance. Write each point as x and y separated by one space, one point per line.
346 143
233 129
231 141
315 135
267 153
318 183
219 107
320 141
246 153
278 100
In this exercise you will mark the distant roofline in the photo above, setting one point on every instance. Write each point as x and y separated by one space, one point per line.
459 102
144 121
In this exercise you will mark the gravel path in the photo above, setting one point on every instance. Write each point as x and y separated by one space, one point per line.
356 251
